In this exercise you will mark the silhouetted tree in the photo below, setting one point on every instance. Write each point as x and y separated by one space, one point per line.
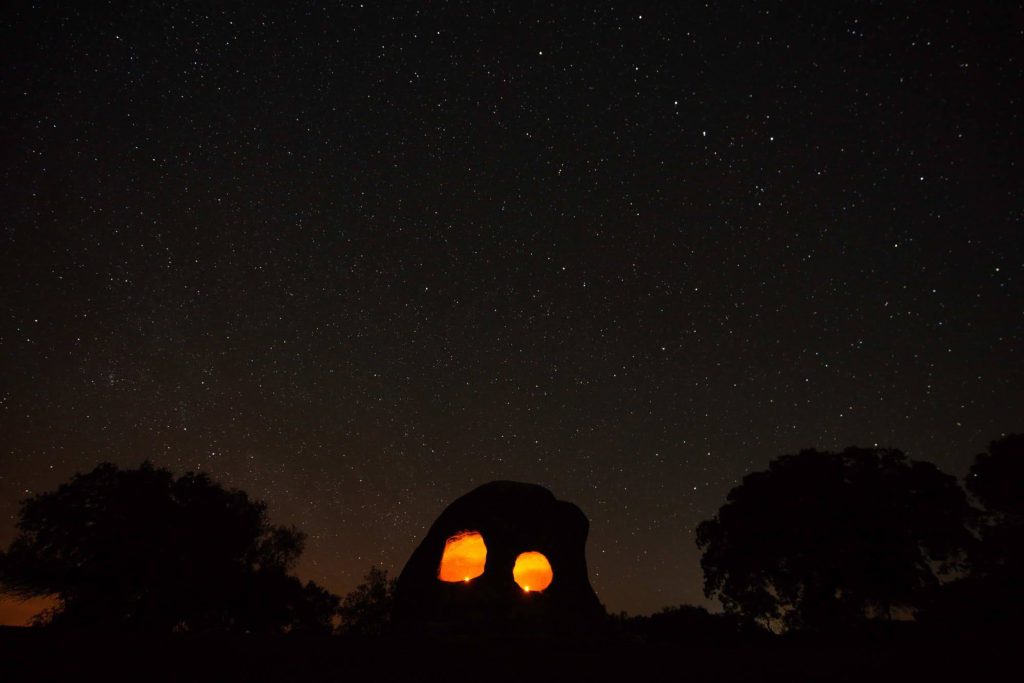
314 609
996 476
367 609
992 596
997 480
823 540
141 549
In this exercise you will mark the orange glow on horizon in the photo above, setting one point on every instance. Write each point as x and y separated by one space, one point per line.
532 572
465 555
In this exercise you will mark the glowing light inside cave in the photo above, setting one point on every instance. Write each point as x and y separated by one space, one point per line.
532 572
465 555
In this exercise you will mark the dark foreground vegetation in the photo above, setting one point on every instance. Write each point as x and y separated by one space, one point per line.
851 566
42 655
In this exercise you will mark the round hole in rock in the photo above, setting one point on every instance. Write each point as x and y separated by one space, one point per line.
532 571
465 555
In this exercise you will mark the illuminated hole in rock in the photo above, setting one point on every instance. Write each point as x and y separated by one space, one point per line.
465 555
532 572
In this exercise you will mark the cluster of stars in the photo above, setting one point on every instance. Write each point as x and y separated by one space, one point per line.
357 261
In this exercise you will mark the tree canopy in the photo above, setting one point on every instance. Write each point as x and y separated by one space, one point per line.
141 549
825 539
367 609
996 476
996 480
991 596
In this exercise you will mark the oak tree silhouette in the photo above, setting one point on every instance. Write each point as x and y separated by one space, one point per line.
140 549
996 479
824 540
991 597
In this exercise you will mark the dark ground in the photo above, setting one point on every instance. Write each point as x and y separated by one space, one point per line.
35 655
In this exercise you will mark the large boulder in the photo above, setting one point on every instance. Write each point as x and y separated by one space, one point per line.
513 518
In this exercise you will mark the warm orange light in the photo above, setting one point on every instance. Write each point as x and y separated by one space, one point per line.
464 557
532 571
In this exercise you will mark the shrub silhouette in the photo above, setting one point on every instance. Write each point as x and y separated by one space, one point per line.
367 609
690 624
823 541
142 550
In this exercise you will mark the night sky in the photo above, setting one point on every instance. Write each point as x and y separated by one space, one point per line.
358 260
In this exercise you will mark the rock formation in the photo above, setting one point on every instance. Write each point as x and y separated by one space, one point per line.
513 518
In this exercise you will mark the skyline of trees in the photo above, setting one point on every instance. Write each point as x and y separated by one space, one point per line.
819 541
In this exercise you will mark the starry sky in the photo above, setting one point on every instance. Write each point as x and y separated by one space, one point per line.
358 259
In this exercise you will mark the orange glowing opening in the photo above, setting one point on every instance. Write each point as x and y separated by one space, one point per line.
464 557
532 572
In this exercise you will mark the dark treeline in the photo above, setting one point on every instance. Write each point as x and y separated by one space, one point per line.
825 542
863 541
141 550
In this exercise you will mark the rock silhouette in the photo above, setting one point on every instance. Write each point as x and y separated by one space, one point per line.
513 518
